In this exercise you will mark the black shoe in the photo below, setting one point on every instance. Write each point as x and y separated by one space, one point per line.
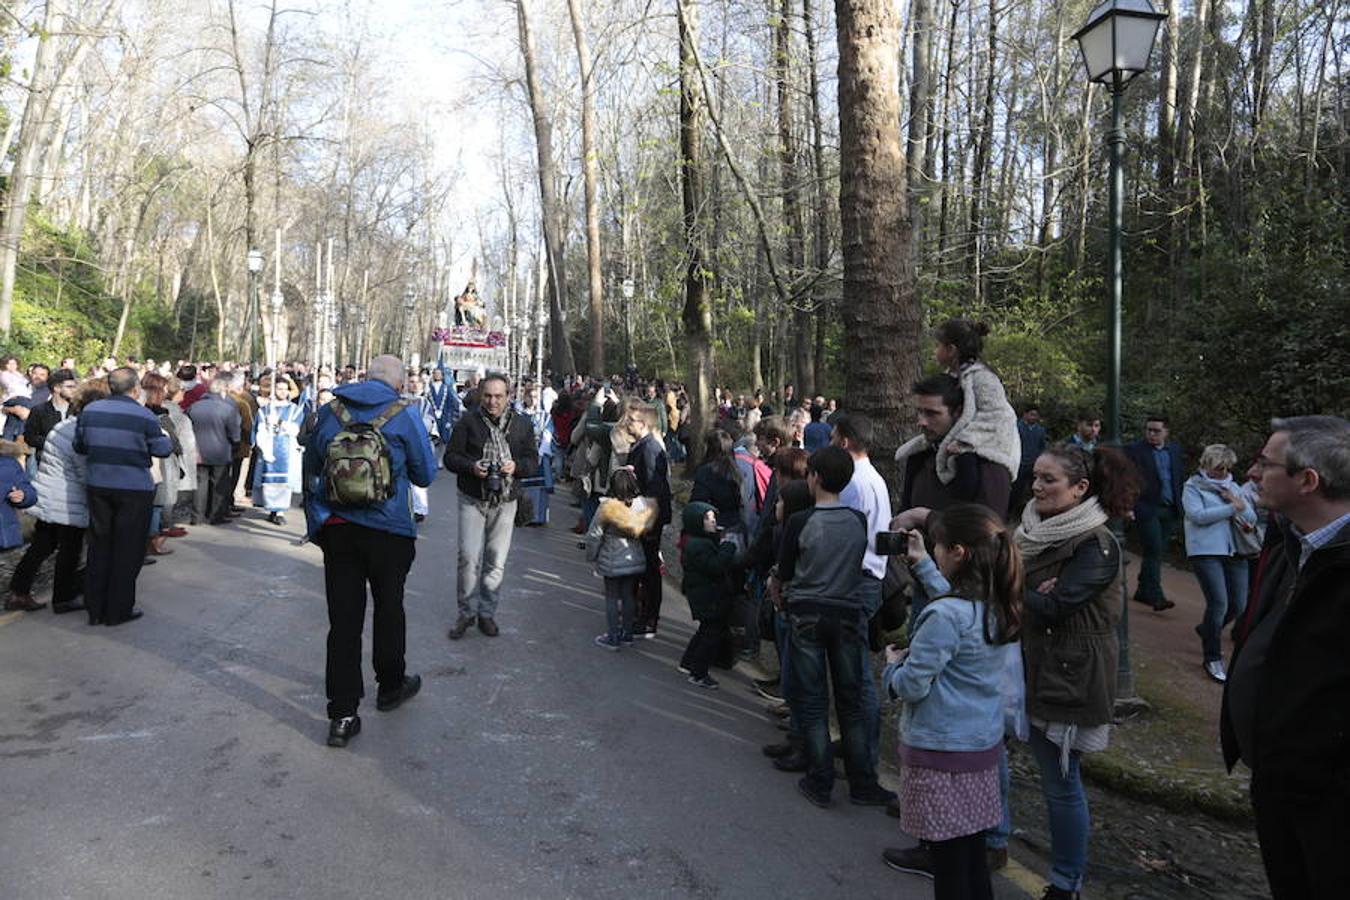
814 794
488 626
340 731
793 762
914 860
149 561
130 617
876 795
387 700
1058 893
704 681
461 626
419 518
68 607
276 518
769 690
1163 605
778 751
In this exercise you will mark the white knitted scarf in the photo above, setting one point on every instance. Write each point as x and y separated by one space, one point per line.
1036 535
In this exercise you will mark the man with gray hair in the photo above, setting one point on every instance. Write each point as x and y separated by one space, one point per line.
118 436
491 450
217 427
366 540
1286 704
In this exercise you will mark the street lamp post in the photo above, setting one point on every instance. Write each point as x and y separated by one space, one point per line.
1116 44
409 306
629 288
255 265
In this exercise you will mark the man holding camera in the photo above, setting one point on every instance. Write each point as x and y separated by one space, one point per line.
491 450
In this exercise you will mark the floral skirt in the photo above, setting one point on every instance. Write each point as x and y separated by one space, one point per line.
939 806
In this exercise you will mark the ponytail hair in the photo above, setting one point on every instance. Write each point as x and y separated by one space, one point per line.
964 334
992 570
1110 475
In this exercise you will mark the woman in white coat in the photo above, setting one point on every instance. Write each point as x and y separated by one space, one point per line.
61 511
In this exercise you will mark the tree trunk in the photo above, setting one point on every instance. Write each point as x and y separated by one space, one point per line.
560 351
920 91
790 183
589 168
821 211
980 171
881 312
1167 98
948 93
697 313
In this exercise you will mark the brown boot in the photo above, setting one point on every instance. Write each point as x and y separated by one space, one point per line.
23 602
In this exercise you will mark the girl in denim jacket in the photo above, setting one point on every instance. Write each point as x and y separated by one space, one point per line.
949 679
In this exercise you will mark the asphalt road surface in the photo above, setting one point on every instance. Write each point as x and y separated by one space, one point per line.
183 755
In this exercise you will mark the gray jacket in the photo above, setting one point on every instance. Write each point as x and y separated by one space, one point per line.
613 541
215 424
60 480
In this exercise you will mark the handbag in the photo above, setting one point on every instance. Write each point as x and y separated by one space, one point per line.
1246 538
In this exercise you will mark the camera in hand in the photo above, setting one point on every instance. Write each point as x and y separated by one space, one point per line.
892 543
494 477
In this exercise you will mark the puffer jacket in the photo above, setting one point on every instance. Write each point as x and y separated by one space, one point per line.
13 476
612 542
706 564
60 480
1069 641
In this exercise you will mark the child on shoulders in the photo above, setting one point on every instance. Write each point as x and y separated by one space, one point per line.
988 424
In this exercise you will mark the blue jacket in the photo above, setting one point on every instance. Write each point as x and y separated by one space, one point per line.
1208 523
410 456
1150 498
13 476
951 682
118 436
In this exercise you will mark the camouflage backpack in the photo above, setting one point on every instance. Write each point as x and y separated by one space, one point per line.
356 468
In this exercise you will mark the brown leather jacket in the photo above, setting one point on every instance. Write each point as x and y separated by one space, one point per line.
1069 640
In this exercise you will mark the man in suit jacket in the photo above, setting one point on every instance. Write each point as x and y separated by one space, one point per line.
1158 509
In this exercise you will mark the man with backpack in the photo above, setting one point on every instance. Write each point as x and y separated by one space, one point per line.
367 450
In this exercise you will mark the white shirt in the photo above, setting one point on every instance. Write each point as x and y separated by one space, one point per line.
867 493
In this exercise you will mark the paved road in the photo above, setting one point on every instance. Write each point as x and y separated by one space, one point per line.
183 756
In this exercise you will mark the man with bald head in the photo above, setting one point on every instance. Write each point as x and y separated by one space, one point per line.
367 543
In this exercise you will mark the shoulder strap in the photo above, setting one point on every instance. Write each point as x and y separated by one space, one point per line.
341 412
388 413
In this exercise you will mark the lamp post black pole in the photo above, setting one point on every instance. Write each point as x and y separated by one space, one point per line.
1127 700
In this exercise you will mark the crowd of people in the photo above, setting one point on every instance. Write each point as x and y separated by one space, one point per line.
992 589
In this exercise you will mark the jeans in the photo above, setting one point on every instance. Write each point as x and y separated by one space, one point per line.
156 516
996 838
620 594
48 537
589 506
1223 579
1154 535
354 556
1067 805
781 629
871 588
830 647
484 541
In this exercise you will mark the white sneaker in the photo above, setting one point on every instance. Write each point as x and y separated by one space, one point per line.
1214 669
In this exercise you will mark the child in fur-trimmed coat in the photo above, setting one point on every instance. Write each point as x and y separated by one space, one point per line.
613 544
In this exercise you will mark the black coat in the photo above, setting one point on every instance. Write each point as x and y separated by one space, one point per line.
465 449
651 467
711 485
1299 696
41 419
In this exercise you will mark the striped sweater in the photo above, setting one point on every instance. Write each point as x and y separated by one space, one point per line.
118 436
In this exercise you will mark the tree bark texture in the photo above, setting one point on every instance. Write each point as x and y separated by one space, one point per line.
591 176
881 312
560 351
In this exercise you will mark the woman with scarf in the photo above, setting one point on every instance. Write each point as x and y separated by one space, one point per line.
276 434
1069 645
1215 510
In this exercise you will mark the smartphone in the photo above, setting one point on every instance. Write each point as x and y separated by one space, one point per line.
892 543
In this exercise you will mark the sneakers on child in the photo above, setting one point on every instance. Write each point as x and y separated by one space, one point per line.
703 681
626 638
607 642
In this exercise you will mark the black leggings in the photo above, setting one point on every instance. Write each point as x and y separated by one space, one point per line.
960 869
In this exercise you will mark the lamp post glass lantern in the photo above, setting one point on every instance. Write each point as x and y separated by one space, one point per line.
254 261
1116 44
